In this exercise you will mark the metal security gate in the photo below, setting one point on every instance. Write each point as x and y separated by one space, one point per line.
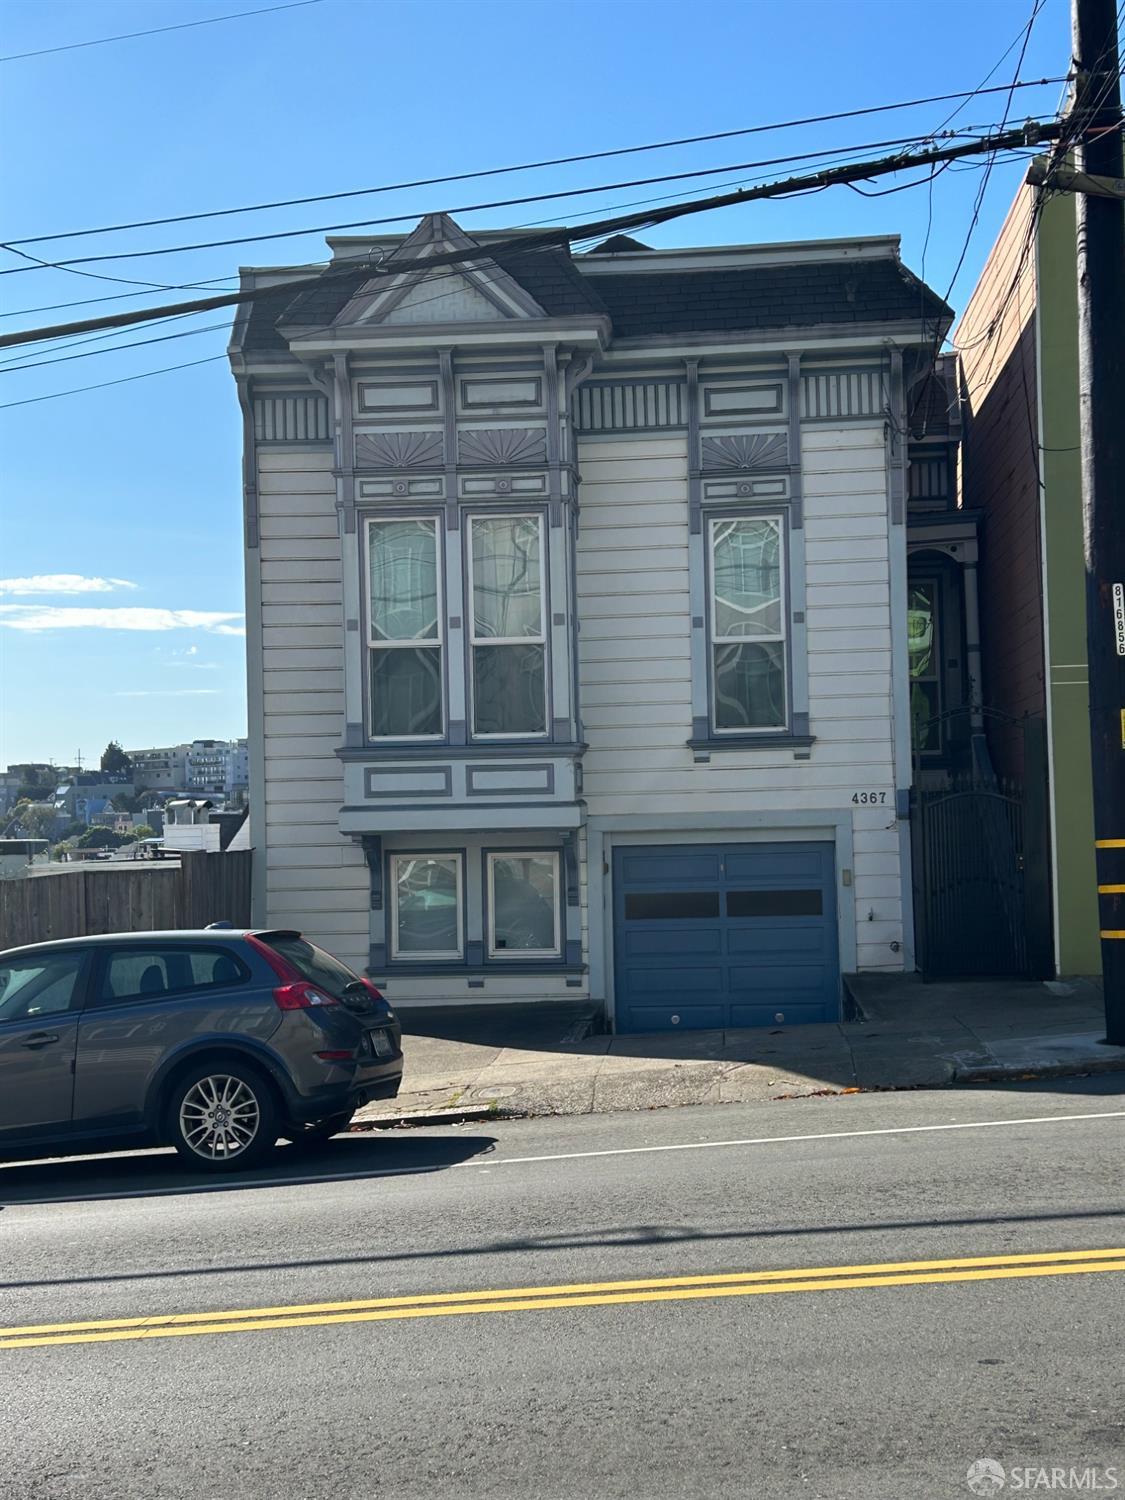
970 899
713 935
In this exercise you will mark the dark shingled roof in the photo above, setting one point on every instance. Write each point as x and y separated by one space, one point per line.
778 296
618 244
657 302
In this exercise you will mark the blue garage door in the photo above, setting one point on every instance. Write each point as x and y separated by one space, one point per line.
709 935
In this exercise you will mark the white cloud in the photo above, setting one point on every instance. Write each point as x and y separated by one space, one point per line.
168 693
62 583
77 617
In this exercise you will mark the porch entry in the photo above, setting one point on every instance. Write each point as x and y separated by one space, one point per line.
714 935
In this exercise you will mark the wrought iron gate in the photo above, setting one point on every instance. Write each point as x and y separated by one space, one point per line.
981 854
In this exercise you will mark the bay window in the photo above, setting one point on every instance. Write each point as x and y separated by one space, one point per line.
747 624
427 911
507 611
523 905
404 628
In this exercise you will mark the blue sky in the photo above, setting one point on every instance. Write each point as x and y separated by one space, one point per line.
120 539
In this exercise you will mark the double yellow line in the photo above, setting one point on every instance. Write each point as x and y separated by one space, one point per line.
581 1294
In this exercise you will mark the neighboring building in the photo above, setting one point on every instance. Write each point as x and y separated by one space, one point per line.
187 824
577 596
25 774
1021 473
218 767
18 856
88 794
163 769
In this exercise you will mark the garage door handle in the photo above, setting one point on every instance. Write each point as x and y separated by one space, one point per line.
39 1039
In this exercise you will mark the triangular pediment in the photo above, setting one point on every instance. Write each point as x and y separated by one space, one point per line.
477 291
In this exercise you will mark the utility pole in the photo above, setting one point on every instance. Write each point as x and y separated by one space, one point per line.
1101 387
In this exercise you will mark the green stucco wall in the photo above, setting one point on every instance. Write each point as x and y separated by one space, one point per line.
1074 875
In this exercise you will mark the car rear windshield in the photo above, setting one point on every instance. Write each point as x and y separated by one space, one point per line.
313 964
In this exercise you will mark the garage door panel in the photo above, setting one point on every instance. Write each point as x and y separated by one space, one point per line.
666 868
778 944
792 1013
724 935
665 979
678 1018
791 863
685 942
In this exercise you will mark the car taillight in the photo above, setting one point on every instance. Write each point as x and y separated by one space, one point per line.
339 1055
301 996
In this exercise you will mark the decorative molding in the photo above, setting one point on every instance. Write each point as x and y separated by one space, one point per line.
723 402
495 446
506 781
290 417
746 451
384 396
408 781
483 392
829 396
633 405
570 866
399 450
373 853
796 478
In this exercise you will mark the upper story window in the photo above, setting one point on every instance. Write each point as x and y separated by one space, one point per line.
923 646
747 622
404 628
507 610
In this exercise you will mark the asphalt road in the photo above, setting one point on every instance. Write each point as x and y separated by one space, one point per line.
855 1368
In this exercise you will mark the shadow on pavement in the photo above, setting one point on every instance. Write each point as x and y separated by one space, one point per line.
624 1237
142 1174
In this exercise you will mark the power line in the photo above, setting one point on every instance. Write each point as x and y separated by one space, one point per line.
557 161
463 208
102 384
125 36
24 312
1029 134
184 333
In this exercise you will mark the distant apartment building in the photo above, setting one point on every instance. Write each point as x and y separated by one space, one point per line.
162 769
218 767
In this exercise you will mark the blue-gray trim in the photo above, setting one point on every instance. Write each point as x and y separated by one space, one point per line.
445 790
298 417
449 428
548 787
796 489
250 513
611 406
745 413
392 409
695 477
545 969
850 394
500 377
768 739
428 806
372 845
570 865
502 447
387 449
897 442
482 750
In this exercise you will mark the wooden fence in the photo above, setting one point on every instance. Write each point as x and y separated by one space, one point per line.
79 902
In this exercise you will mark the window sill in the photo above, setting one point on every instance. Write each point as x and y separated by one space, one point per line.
400 969
497 749
770 740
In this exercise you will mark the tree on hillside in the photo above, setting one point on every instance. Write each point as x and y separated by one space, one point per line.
36 819
114 759
101 838
142 831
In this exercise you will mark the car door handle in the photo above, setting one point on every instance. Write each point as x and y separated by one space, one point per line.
39 1039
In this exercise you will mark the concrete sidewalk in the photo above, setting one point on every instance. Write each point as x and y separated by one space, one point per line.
909 1034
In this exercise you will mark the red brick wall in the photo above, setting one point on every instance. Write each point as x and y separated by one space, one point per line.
999 477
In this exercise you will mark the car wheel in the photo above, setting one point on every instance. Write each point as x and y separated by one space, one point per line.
319 1131
222 1116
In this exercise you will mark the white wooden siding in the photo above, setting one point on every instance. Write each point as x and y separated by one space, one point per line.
634 656
316 880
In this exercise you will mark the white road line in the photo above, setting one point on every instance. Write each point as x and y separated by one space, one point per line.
478 1165
827 1135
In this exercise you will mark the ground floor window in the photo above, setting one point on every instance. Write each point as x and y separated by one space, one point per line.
523 905
427 910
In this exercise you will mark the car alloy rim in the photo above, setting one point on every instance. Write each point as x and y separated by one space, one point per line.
219 1117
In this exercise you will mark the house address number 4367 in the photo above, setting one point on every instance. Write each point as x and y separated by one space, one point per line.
868 799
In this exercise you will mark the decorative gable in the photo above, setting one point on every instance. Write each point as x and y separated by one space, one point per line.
477 291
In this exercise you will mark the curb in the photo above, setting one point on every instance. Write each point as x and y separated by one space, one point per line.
1011 1073
462 1116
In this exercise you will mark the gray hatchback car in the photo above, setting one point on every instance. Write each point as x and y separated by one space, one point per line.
216 1042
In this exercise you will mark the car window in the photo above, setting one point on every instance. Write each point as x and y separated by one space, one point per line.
43 985
313 964
144 973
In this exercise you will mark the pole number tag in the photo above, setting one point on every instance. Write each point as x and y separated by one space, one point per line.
1119 617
